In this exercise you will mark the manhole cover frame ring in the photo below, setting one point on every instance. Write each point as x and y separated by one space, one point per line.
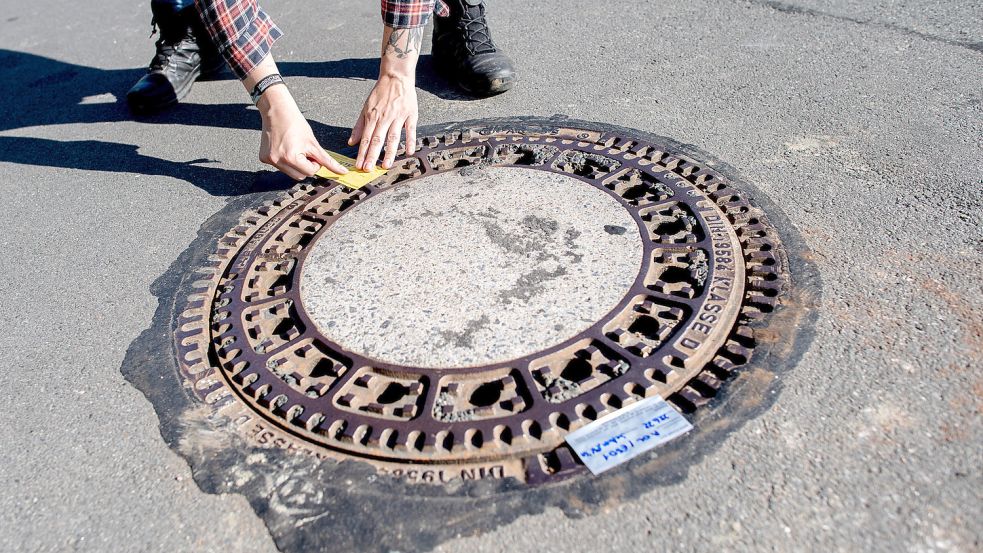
687 397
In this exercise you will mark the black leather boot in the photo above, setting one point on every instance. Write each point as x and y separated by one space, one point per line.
464 52
184 54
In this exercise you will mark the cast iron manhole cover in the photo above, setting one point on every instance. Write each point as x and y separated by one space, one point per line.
634 272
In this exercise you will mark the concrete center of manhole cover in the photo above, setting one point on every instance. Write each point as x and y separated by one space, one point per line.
468 268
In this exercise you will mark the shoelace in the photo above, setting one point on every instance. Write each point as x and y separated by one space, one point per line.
165 49
164 52
477 37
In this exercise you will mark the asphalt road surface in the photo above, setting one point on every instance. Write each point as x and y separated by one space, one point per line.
862 121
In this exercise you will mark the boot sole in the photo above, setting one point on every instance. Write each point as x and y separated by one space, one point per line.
497 87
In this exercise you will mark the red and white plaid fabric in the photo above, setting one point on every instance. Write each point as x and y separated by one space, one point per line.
407 14
244 33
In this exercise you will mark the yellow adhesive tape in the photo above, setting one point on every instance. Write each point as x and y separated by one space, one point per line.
354 178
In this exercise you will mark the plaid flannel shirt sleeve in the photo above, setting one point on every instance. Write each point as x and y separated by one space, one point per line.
241 30
404 14
245 34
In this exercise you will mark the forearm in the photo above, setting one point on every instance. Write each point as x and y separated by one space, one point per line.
287 141
391 106
400 52
276 99
245 35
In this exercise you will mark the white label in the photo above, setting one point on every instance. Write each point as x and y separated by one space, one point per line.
627 433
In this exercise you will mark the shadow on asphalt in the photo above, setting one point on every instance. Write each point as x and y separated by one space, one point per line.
97 155
368 68
44 91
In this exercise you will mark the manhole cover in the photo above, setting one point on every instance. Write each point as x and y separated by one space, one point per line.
456 318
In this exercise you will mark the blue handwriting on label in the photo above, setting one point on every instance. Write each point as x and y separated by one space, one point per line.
627 433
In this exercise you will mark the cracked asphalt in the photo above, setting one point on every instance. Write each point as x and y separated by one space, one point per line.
862 121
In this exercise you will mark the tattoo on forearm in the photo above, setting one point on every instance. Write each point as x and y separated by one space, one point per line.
404 42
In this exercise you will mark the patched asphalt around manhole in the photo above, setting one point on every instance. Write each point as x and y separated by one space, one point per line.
310 378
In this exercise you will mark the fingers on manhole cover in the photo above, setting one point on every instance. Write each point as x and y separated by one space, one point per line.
712 267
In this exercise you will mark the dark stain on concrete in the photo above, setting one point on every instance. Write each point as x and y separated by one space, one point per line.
530 284
540 227
570 241
520 243
465 337
570 237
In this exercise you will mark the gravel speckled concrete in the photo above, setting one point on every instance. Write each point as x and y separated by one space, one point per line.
471 268
863 121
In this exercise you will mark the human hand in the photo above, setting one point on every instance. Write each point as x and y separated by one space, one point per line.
390 108
287 141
